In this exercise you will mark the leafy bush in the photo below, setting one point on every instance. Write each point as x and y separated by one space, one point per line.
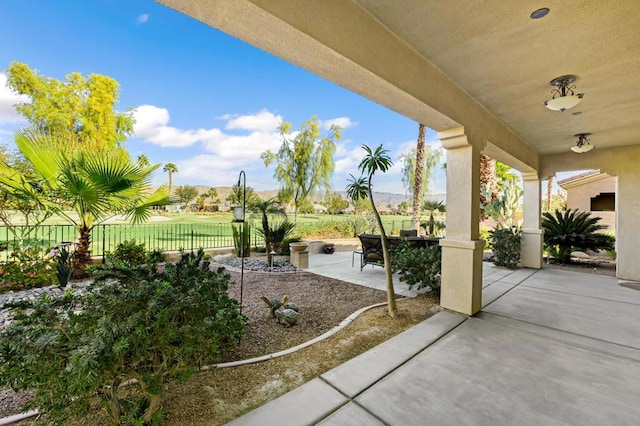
29 267
567 230
138 323
418 266
505 243
129 252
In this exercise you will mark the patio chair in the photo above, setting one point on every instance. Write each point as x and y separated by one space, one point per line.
404 233
371 250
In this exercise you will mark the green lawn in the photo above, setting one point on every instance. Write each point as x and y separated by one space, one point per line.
171 232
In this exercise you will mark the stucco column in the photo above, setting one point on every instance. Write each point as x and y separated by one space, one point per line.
628 224
531 248
461 250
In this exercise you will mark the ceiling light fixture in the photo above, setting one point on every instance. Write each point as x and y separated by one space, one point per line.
563 95
583 144
539 13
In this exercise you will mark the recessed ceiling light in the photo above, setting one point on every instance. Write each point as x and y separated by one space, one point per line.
540 13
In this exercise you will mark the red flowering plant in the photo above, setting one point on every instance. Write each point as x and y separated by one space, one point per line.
29 267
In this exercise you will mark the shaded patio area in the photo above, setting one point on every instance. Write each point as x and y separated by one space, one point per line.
549 347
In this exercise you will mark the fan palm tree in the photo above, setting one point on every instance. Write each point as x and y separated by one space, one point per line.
264 208
171 169
417 169
143 161
361 187
432 207
94 187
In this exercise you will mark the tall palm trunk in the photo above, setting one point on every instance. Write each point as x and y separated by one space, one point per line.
391 295
417 180
549 189
82 257
488 177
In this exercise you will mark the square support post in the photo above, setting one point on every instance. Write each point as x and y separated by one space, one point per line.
462 250
532 236
628 224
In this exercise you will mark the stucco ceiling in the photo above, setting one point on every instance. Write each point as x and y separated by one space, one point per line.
481 64
504 59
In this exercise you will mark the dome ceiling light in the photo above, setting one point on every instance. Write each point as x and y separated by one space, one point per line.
539 13
582 145
563 95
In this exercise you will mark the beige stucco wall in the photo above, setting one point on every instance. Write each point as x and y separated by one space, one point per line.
579 197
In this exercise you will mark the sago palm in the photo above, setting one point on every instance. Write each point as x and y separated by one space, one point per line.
264 208
89 189
566 230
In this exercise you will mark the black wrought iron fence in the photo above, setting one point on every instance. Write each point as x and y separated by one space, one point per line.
156 236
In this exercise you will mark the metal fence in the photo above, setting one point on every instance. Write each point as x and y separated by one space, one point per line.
157 236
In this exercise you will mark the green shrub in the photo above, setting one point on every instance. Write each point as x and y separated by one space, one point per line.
505 243
418 266
29 267
137 323
129 252
567 230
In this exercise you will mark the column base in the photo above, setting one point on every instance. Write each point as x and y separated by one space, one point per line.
461 289
531 248
299 259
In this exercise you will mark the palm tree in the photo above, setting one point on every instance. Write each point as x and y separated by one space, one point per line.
417 180
143 161
488 180
418 166
95 187
565 230
362 188
264 208
432 207
549 190
171 169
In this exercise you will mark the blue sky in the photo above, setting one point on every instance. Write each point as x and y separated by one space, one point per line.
205 101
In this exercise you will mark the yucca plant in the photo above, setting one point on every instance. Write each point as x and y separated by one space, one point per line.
567 230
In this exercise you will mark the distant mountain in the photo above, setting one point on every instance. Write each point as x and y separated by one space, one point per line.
383 198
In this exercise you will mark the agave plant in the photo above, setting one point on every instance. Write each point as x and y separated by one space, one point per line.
566 230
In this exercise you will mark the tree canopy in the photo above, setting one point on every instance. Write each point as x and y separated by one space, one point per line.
81 111
304 162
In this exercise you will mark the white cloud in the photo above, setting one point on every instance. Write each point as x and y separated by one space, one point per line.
343 122
8 99
152 125
264 121
143 18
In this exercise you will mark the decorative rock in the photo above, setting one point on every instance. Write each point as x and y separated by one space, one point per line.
223 258
288 317
279 265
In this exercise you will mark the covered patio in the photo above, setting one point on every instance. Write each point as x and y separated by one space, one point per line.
479 74
533 346
549 347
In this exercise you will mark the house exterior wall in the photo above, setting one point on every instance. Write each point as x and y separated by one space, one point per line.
579 197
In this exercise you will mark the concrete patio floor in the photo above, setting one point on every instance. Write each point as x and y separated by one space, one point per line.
549 348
